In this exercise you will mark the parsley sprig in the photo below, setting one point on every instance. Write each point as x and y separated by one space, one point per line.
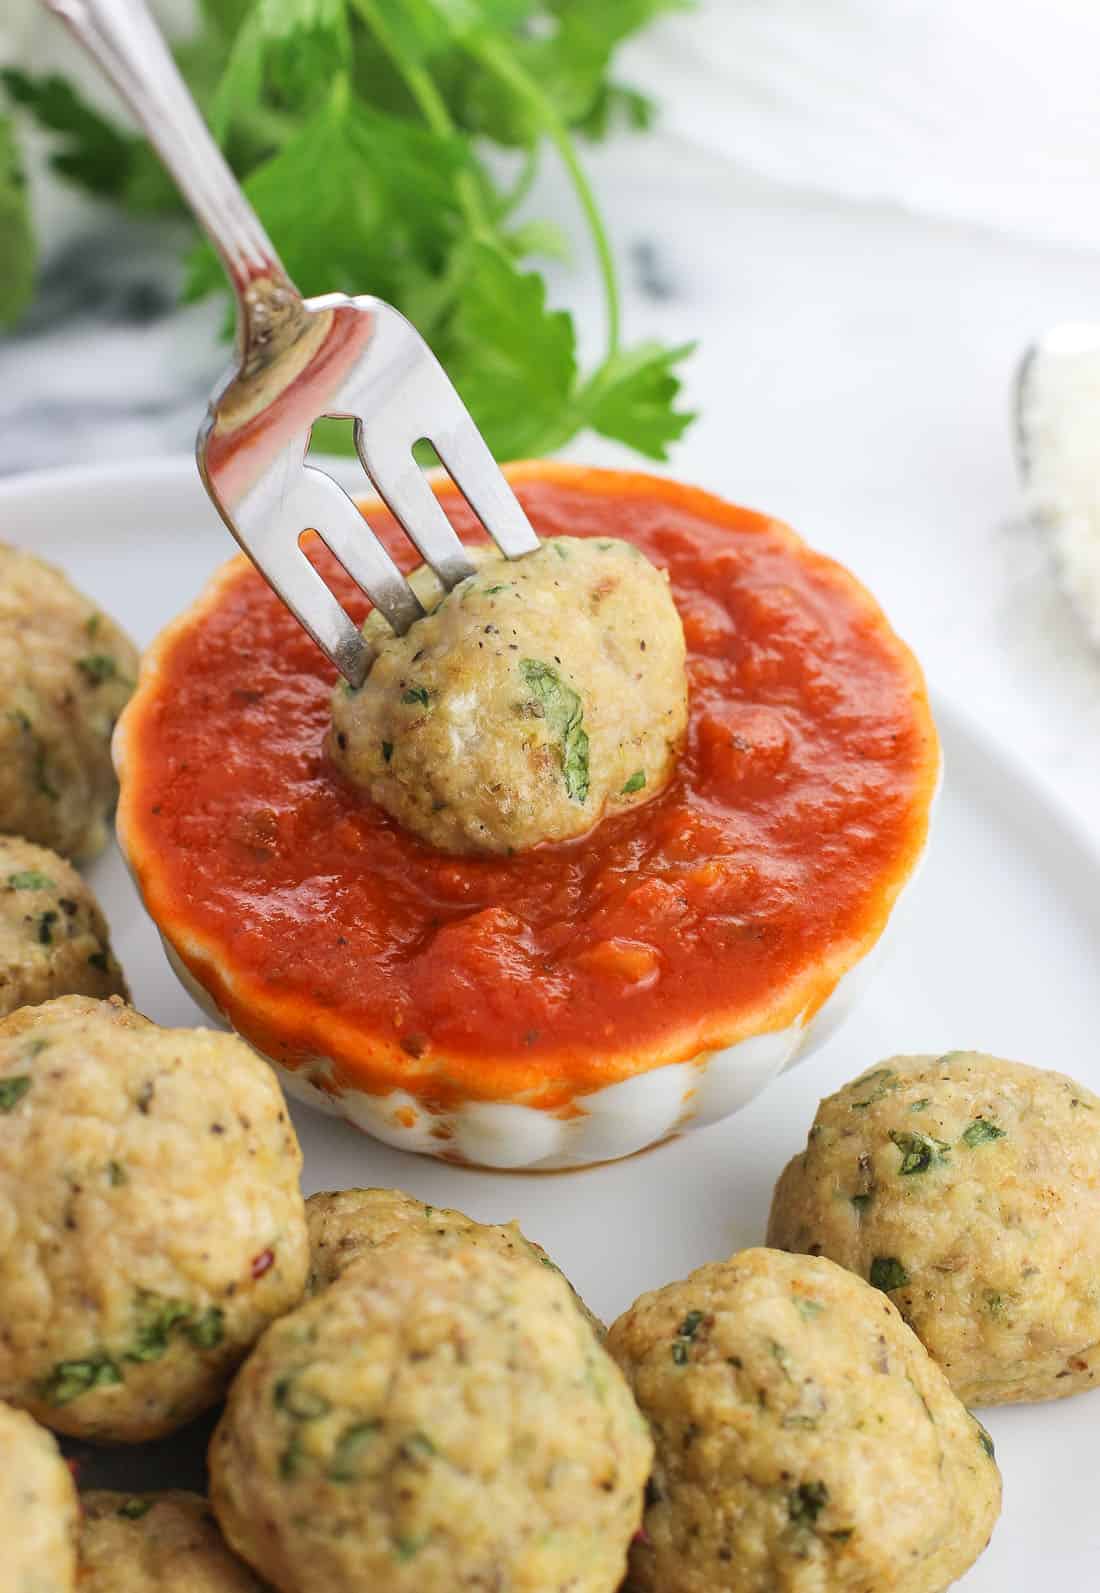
368 134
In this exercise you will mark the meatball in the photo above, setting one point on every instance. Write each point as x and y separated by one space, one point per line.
53 936
969 1189
38 1509
156 1543
806 1441
539 694
151 1222
345 1223
436 1418
66 673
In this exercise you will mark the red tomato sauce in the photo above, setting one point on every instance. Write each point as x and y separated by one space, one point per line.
797 812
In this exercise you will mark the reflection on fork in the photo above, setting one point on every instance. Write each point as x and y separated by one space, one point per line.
358 358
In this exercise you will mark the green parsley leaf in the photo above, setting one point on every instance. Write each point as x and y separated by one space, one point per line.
575 763
354 196
12 1091
88 149
513 359
350 1447
887 1273
782 1357
30 880
97 668
417 694
542 238
41 776
873 1086
634 400
208 1329
290 1461
421 30
242 83
570 62
134 1509
618 105
292 45
418 1446
70 1379
635 783
981 1132
806 1502
918 1152
17 248
302 1403
157 1317
564 713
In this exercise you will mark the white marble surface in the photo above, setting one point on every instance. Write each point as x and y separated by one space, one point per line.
853 377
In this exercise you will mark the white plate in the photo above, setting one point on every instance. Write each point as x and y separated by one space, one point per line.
1000 952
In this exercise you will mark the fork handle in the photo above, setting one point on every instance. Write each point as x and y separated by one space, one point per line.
124 40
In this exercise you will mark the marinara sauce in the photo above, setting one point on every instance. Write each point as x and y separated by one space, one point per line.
731 902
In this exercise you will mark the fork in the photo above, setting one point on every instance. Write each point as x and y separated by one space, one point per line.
297 360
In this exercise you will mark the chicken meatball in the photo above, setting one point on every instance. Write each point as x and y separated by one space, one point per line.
345 1223
537 695
968 1188
436 1418
53 936
806 1442
151 1222
66 673
38 1509
156 1543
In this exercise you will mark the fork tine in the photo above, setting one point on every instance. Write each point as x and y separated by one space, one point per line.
403 487
483 484
304 592
344 530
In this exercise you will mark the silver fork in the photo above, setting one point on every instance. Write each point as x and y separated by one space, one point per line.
297 360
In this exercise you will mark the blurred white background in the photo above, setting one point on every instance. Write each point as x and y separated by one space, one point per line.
978 110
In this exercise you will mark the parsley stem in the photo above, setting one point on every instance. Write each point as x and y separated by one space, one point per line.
433 107
522 185
497 60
